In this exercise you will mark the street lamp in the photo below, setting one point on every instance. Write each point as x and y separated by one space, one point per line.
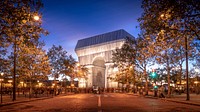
1 80
40 84
10 82
196 82
36 18
22 83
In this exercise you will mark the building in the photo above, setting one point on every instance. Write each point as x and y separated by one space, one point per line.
96 54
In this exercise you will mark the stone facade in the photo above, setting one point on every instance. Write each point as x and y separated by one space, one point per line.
96 54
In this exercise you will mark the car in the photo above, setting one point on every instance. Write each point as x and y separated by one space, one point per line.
95 89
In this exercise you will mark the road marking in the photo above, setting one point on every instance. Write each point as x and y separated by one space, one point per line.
99 101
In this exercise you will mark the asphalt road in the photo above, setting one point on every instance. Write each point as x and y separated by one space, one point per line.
100 103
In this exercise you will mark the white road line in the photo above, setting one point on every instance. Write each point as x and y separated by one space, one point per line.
99 101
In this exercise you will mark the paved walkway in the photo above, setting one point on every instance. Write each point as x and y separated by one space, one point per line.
194 98
7 100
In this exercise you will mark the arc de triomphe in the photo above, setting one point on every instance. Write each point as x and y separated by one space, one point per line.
96 54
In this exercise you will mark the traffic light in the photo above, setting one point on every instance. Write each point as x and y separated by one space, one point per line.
155 87
153 74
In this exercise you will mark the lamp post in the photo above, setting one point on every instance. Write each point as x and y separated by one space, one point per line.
1 80
14 74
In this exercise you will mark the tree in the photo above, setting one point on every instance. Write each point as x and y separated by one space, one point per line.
33 63
57 55
82 72
143 56
166 59
178 19
178 61
196 61
3 60
19 27
123 58
69 68
162 74
173 16
134 52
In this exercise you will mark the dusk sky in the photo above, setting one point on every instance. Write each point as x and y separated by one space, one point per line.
71 20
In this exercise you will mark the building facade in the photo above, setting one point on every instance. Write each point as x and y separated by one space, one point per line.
96 54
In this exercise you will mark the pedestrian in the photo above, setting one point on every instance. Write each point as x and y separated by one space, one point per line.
161 92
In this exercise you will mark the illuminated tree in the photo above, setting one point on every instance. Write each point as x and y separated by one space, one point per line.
134 52
19 26
175 20
123 59
57 56
69 68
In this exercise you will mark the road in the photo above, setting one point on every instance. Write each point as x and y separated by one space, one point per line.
100 103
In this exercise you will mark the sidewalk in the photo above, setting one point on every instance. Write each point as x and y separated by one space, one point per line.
194 99
7 100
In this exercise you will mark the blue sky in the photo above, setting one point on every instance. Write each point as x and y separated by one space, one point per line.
71 20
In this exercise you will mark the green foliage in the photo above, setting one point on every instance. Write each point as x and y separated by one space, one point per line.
134 53
57 56
69 67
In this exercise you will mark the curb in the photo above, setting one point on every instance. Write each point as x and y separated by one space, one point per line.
29 100
171 100
183 102
33 99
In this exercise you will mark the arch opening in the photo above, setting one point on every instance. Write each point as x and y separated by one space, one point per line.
99 72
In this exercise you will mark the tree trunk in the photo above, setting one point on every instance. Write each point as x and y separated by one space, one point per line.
168 77
14 72
146 84
30 88
134 86
55 85
180 77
